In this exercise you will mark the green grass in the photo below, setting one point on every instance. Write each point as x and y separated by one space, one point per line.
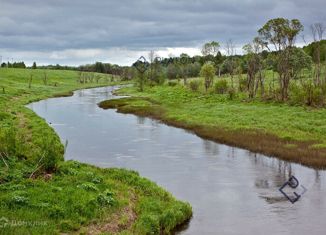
242 122
80 195
297 123
42 194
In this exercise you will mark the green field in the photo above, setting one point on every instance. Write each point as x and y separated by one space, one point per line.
294 133
41 193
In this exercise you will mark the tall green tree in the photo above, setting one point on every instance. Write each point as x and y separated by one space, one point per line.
281 33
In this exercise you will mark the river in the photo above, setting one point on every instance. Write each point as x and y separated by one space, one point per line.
231 190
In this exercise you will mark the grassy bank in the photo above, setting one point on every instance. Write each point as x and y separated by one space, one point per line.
42 194
294 133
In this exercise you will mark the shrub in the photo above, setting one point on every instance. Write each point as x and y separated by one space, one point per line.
18 200
88 187
307 93
106 198
232 93
97 180
221 86
208 72
56 212
297 94
194 85
160 79
172 83
52 153
242 84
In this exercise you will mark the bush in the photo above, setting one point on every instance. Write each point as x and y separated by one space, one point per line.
194 85
56 212
307 93
242 84
172 83
88 186
18 200
106 198
208 71
297 94
52 153
232 93
221 86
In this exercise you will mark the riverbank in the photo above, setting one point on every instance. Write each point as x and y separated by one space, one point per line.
292 133
41 193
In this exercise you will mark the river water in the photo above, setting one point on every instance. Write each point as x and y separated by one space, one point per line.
231 190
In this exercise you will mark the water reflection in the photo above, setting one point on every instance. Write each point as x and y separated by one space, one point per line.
140 120
210 147
232 191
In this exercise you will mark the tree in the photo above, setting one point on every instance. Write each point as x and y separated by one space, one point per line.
184 61
210 48
151 56
254 64
141 65
299 60
193 69
211 52
34 65
317 31
99 67
208 72
230 63
281 33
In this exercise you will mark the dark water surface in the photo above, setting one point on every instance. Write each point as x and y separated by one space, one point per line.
231 190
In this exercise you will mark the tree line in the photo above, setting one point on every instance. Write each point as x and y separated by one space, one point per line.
272 50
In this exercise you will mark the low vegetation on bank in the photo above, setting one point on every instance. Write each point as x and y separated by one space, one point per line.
41 193
293 133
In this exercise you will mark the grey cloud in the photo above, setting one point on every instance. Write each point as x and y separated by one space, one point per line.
53 25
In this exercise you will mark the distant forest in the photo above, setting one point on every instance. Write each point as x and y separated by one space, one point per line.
174 67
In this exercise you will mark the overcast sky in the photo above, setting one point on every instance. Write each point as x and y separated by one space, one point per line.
74 32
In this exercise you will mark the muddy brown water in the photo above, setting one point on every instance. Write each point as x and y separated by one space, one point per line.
231 190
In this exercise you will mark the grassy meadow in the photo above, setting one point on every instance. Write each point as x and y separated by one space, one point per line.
43 194
291 132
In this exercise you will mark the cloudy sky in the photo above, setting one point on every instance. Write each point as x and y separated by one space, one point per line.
74 32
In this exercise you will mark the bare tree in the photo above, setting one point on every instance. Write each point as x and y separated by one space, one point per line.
317 31
230 62
151 55
229 47
254 63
